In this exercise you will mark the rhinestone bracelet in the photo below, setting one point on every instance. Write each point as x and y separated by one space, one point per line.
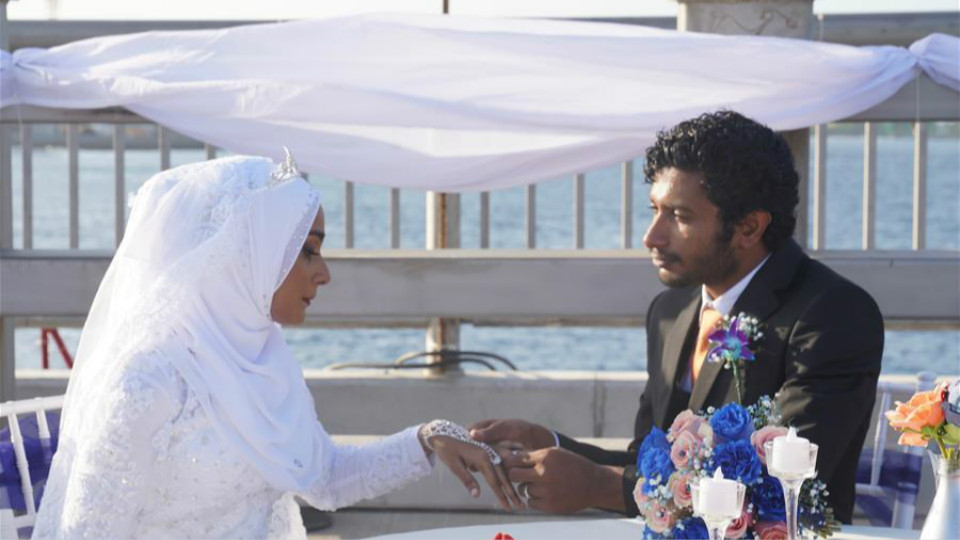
447 428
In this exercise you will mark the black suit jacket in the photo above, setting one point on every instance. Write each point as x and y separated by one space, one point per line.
821 351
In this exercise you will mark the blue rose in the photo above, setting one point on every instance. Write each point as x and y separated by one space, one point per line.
767 497
655 439
732 423
693 528
656 467
738 461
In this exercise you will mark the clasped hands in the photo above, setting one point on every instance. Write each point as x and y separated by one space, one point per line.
552 479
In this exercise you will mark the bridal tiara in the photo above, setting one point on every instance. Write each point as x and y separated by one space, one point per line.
286 170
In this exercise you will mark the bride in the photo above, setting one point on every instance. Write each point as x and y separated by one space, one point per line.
186 415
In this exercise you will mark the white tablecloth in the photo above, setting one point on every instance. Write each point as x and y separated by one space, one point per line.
608 529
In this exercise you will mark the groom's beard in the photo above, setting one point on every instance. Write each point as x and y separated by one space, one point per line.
715 266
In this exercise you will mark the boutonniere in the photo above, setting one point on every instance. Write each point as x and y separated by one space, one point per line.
730 344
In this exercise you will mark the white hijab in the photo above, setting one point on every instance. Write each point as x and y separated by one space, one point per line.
206 246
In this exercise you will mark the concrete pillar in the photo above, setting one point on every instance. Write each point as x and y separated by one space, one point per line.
7 326
782 18
443 232
6 172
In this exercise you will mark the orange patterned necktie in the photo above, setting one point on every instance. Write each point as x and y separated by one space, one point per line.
708 323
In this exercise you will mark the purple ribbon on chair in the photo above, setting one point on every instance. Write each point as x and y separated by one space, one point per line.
39 454
899 479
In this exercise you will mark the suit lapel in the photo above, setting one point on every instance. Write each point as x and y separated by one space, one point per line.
676 357
758 300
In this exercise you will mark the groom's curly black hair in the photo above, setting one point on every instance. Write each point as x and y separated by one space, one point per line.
746 166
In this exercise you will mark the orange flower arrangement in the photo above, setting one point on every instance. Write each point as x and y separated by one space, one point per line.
923 419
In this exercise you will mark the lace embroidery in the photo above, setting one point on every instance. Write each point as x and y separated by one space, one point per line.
109 478
353 473
186 483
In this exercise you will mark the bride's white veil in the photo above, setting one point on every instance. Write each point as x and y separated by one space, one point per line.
206 246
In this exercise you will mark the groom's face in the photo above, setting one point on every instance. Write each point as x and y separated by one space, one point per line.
685 235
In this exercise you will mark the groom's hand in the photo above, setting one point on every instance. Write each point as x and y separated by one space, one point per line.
531 436
561 482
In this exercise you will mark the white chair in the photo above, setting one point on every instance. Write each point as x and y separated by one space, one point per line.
903 507
9 523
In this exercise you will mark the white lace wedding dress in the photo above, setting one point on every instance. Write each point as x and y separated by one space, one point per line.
160 470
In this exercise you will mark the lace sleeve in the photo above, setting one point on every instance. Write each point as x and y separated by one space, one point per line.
351 473
100 478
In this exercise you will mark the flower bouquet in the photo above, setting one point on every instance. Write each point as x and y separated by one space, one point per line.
934 416
928 416
732 439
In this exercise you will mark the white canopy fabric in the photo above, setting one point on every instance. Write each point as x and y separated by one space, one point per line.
459 103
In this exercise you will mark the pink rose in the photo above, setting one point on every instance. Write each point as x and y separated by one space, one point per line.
685 421
638 496
660 519
762 436
679 485
738 529
771 530
684 449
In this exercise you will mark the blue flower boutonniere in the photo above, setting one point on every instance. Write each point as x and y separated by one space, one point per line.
730 344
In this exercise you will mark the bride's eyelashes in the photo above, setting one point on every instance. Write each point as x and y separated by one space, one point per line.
309 253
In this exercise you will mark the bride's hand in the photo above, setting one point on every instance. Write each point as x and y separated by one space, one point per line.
461 457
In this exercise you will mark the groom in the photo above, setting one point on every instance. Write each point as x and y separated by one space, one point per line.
724 193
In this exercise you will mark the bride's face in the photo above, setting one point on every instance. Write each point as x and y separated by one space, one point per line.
293 297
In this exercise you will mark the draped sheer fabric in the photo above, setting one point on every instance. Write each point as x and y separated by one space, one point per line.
179 339
456 103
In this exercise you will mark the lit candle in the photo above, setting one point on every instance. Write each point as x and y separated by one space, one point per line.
718 496
791 454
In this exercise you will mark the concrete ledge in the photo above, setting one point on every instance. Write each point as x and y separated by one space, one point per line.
599 285
358 407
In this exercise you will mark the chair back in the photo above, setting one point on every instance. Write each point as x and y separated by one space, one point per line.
31 438
888 480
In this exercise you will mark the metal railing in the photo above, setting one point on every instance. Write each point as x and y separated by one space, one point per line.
19 130
539 272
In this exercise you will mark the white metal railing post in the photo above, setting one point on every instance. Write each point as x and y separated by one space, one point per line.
578 228
919 185
163 144
626 205
820 187
348 207
869 186
531 216
119 183
484 220
26 145
73 150
6 186
394 218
